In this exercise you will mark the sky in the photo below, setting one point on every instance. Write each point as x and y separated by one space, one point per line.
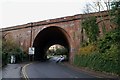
18 12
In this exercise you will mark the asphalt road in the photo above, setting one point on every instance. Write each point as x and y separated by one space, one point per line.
53 70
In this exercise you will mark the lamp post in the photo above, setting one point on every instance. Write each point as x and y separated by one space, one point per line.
31 25
31 55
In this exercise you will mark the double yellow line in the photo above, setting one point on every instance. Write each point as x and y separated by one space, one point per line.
24 71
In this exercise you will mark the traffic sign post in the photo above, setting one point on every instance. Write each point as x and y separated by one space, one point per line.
31 53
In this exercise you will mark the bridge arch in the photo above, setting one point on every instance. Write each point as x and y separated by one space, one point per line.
48 37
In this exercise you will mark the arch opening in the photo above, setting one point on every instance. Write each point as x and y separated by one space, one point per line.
47 37
57 53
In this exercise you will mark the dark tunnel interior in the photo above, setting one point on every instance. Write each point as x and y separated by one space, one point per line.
48 37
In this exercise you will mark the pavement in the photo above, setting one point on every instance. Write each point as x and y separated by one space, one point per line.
12 71
0 68
0 73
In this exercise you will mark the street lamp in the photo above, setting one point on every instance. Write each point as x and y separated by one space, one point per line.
31 25
31 49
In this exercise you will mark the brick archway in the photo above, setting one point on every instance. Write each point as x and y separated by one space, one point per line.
48 37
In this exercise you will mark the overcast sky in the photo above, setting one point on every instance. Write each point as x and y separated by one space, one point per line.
17 12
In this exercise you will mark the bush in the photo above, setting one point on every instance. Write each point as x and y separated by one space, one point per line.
10 48
4 59
112 37
87 49
105 56
25 56
96 62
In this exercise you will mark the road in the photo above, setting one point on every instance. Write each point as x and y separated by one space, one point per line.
53 70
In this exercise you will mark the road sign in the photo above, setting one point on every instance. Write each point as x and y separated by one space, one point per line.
31 50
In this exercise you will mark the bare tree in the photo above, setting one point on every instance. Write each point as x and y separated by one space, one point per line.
98 6
87 8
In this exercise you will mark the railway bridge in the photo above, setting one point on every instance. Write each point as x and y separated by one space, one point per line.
66 31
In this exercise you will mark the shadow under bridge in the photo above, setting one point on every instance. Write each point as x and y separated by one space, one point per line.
48 37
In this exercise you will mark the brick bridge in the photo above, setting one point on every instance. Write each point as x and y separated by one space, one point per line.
66 31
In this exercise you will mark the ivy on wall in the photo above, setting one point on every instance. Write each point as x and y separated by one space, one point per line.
91 28
115 13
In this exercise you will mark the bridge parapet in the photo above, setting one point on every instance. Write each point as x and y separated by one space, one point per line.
57 20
